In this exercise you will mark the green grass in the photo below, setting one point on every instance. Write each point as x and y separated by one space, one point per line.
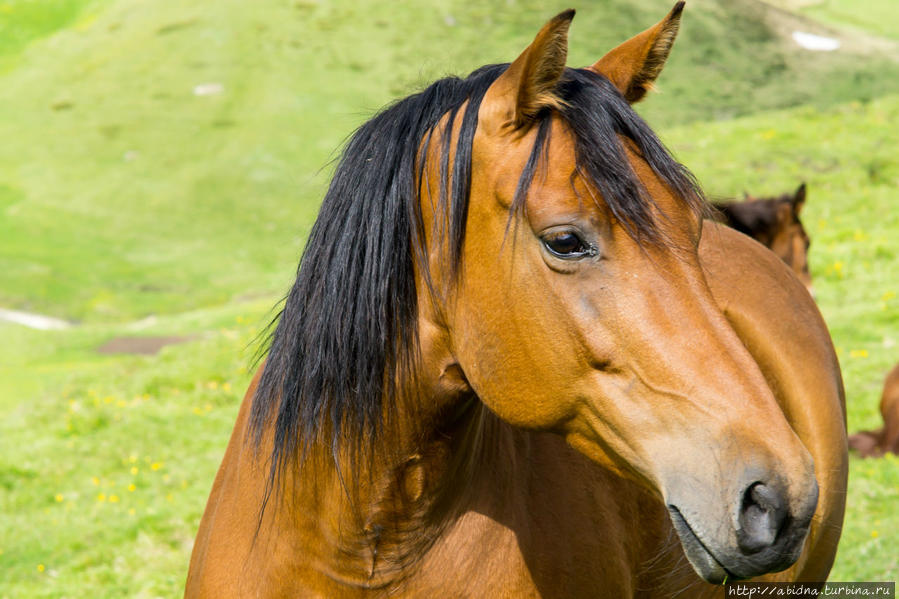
105 461
875 16
122 194
24 21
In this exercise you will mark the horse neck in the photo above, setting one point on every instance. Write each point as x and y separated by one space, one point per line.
436 460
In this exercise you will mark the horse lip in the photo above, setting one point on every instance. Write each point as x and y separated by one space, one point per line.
701 558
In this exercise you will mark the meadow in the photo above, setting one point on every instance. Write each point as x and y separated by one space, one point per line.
136 200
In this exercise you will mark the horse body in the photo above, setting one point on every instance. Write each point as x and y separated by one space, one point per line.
597 405
886 439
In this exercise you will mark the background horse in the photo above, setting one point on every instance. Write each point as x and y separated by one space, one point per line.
514 364
876 443
773 222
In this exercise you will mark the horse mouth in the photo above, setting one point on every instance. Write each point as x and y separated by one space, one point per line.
703 561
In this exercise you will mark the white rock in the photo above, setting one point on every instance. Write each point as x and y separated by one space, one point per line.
208 89
33 321
817 43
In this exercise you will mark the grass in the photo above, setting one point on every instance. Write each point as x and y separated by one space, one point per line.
24 21
877 16
123 194
105 466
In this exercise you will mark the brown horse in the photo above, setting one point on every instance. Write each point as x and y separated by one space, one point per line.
874 444
773 222
514 364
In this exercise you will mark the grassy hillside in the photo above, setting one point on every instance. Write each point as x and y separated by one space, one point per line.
123 194
873 16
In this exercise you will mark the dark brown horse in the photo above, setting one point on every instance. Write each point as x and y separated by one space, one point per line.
874 444
775 223
515 363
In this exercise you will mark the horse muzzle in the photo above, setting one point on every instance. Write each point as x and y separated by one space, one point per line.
765 533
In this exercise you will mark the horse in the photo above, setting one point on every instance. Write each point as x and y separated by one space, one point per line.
775 223
874 444
517 362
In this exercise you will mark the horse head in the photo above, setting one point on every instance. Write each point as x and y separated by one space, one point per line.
775 223
580 306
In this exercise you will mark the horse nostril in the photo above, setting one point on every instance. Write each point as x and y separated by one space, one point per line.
762 513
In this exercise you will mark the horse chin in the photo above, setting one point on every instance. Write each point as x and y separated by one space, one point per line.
702 560
718 565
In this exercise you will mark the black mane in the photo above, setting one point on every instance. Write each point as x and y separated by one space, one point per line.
348 330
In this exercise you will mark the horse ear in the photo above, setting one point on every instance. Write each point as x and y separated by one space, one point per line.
799 200
633 66
529 84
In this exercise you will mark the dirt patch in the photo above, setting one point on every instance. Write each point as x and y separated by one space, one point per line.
139 345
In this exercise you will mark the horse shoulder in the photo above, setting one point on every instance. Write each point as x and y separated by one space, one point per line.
780 325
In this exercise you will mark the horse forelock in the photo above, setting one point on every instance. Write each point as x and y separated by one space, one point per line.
603 124
347 333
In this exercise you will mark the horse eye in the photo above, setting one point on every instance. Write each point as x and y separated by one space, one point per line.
566 244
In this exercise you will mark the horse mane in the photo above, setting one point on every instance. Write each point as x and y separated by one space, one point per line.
347 333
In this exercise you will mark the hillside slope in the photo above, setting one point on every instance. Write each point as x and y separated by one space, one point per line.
162 156
123 193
